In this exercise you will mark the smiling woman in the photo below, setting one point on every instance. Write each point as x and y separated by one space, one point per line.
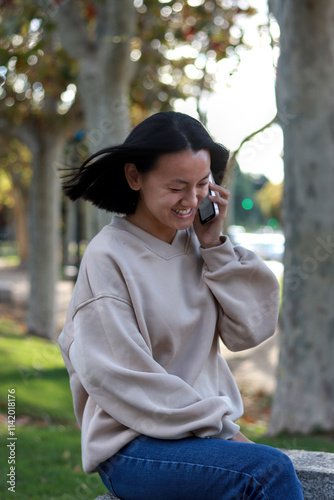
155 291
169 196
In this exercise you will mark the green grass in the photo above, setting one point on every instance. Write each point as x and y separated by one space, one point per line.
48 453
35 369
314 442
48 466
8 253
48 450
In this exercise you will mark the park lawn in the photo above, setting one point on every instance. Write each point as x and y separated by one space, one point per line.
48 455
48 465
319 441
47 449
35 369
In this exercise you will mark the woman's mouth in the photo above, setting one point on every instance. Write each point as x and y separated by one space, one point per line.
183 213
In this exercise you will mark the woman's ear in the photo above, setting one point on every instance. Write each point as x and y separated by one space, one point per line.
132 176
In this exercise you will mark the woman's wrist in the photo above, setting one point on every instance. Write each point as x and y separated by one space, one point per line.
213 244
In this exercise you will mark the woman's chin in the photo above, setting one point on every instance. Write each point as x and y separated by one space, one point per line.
183 221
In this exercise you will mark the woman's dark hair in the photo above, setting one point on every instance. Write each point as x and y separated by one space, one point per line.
103 181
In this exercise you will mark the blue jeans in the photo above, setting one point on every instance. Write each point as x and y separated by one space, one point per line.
199 469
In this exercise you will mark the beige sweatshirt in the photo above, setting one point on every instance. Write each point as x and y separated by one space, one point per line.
141 339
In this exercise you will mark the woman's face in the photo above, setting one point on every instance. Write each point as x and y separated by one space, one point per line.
169 195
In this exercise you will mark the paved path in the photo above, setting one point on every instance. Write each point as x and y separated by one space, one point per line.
14 286
255 369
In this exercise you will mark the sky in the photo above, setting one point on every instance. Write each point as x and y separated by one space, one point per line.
244 101
245 105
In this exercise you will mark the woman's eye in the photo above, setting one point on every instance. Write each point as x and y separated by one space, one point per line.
176 190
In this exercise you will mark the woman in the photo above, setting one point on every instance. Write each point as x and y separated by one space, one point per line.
155 401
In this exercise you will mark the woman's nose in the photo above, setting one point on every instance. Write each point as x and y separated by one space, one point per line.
190 198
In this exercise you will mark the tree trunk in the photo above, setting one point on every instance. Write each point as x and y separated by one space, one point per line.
103 87
304 399
21 224
104 76
44 218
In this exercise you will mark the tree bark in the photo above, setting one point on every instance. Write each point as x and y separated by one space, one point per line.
304 398
104 75
43 221
21 225
46 145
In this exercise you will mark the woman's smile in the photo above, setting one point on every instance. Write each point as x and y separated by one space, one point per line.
183 212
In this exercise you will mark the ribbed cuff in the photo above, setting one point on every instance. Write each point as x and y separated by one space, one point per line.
216 257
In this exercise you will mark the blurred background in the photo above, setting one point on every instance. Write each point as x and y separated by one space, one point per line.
76 76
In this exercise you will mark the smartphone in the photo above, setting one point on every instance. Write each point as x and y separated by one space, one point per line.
207 209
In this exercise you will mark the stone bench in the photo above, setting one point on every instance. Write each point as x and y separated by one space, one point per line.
315 471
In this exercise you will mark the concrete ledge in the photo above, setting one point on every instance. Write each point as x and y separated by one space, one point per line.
315 471
107 496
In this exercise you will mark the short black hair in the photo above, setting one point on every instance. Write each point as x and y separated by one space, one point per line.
103 181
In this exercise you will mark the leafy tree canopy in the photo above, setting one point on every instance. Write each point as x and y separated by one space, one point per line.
15 170
174 53
178 46
35 71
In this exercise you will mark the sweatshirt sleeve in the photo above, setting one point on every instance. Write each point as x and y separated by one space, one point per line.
247 293
116 368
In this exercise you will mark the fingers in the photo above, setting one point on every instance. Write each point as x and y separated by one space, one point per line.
220 190
221 194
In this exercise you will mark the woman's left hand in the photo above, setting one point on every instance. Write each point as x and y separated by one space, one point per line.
240 438
210 232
